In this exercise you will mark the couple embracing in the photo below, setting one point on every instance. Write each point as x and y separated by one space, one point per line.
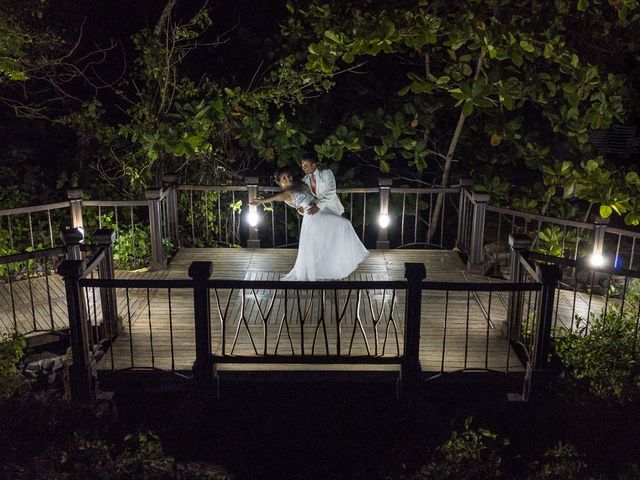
329 248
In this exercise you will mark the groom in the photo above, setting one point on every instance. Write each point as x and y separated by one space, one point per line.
322 184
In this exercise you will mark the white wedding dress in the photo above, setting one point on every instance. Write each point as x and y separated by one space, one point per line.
329 248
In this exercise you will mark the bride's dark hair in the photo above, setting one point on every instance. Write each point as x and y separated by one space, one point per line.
280 172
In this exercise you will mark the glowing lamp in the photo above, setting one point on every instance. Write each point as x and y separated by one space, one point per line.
597 260
252 218
384 220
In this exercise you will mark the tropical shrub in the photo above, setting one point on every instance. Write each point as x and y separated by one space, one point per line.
12 348
471 454
601 355
560 462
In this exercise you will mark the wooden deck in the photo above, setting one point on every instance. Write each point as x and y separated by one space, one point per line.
159 326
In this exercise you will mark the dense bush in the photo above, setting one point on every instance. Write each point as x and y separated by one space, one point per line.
44 435
601 355
12 347
472 454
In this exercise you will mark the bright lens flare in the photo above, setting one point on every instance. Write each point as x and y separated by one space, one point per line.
252 218
384 220
597 260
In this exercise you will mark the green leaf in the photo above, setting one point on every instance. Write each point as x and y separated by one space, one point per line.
467 110
384 166
526 46
332 36
605 211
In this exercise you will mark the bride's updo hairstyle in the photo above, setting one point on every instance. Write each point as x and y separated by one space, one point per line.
280 172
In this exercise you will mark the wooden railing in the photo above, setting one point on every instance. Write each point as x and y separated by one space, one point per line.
299 333
176 216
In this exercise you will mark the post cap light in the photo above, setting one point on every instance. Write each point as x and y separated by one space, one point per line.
384 220
597 260
252 218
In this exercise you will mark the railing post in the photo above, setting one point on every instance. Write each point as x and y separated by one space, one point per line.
415 273
112 323
82 373
475 263
383 220
72 238
549 275
461 242
75 207
171 184
204 369
518 244
252 194
157 255
599 229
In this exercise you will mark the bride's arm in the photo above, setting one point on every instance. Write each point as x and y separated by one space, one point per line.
278 197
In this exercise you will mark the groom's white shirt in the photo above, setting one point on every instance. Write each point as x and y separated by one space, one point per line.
326 194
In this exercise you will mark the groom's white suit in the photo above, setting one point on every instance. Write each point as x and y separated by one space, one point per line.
325 190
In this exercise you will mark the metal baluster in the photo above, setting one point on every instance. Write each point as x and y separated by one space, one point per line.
286 225
415 220
99 216
555 318
351 207
46 280
466 330
219 216
115 214
153 358
489 323
96 332
633 247
404 203
33 308
206 216
133 237
193 223
575 293
173 358
444 332
126 293
50 228
33 246
364 214
430 210
444 206
273 227
13 302
233 215
10 232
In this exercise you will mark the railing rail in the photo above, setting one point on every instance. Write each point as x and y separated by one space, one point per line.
216 215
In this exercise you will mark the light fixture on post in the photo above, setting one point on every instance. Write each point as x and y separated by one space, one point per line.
252 217
597 259
384 220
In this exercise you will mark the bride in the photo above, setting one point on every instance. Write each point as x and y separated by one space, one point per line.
329 248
